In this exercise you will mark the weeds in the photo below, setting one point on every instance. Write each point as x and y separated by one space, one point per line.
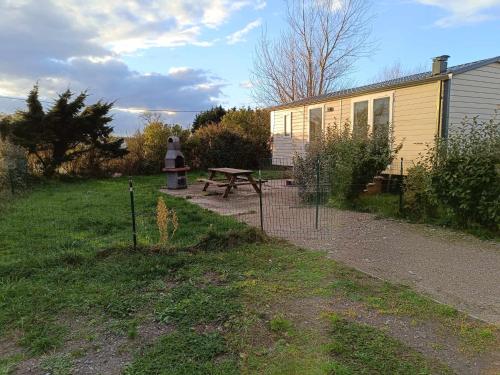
165 219
280 324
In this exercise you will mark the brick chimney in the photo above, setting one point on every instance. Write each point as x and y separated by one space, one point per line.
439 65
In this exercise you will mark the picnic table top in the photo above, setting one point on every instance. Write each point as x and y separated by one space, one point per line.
232 171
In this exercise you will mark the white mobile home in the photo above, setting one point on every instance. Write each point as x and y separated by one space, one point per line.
418 108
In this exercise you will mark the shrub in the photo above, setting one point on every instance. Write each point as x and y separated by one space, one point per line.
347 163
419 198
147 148
156 135
236 138
218 145
13 166
135 161
255 124
92 163
464 172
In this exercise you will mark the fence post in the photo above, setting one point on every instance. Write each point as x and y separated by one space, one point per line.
260 202
132 210
317 194
11 180
401 188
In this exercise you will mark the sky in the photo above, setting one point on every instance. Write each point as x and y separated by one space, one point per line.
188 55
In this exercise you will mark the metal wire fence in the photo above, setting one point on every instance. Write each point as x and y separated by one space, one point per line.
124 211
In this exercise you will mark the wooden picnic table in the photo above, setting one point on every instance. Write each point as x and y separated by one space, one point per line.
232 179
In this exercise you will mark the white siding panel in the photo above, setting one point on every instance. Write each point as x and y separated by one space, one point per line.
474 93
415 116
285 147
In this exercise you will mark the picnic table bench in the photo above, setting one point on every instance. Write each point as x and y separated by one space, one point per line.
232 179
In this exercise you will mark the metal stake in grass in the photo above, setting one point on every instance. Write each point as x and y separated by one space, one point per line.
317 194
401 189
11 180
132 209
260 202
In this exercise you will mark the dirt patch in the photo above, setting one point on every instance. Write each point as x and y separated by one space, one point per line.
213 278
8 345
203 329
105 353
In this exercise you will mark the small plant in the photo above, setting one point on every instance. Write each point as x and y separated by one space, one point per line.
132 331
420 200
280 324
162 220
166 220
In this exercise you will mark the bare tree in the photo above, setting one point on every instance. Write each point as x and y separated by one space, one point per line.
397 70
315 53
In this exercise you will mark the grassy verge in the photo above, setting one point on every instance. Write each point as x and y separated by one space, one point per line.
386 205
230 300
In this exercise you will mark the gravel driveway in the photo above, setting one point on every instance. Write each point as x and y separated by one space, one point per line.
453 268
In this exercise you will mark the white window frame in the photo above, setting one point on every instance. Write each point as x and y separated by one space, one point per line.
370 99
322 106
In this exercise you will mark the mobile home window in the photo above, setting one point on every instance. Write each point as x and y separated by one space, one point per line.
287 124
381 113
360 120
315 123
372 114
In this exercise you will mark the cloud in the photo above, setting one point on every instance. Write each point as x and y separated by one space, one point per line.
246 85
465 11
260 5
128 26
184 89
78 45
239 36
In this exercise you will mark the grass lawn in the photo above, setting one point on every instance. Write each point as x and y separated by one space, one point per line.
219 298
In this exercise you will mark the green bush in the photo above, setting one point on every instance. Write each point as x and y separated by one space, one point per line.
346 162
13 166
156 134
420 202
221 146
146 149
239 139
464 172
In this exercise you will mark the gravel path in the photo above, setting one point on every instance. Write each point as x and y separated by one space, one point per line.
453 268
456 269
